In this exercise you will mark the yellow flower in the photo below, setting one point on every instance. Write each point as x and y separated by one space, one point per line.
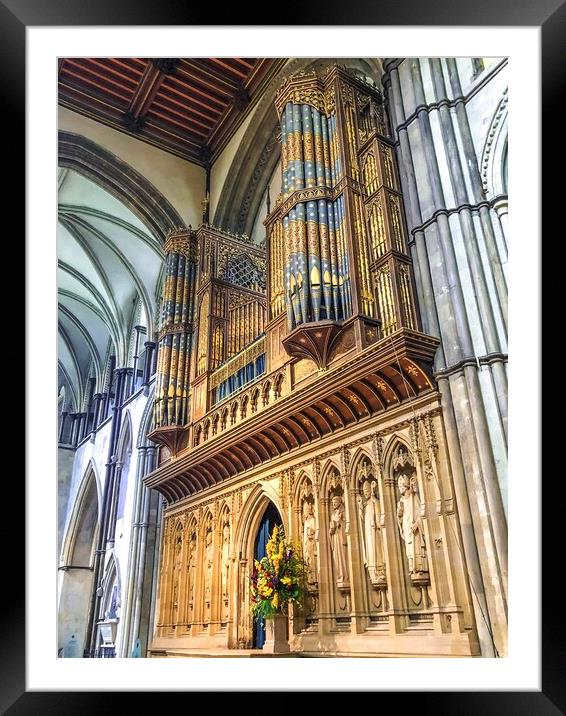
285 580
275 601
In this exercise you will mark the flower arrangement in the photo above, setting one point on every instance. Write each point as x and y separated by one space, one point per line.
278 578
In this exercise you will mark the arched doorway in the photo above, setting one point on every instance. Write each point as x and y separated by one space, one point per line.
76 565
271 517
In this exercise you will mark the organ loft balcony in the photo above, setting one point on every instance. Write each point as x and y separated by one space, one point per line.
295 406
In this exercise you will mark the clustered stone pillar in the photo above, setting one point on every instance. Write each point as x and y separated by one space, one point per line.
149 365
450 223
143 539
109 504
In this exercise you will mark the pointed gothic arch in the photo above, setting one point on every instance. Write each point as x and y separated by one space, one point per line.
121 180
88 495
77 563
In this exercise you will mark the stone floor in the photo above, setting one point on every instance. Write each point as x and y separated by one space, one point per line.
231 653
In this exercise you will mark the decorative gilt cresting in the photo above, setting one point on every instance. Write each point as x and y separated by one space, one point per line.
337 240
175 341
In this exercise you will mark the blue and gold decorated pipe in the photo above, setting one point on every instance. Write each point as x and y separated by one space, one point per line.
318 149
314 259
326 152
308 147
179 289
334 268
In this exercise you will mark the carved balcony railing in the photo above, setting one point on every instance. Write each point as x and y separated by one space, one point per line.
242 404
387 373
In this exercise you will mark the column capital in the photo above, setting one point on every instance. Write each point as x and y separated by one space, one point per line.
501 206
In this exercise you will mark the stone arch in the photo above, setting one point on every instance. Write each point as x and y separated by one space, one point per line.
360 453
146 421
225 530
331 463
124 443
77 561
111 582
124 449
395 442
252 513
89 488
245 535
121 180
494 154
300 479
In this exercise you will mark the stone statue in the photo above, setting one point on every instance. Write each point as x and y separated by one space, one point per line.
372 549
225 558
177 572
338 540
410 524
309 544
192 568
208 559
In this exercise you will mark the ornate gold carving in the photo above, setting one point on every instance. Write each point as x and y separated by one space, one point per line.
405 286
203 334
180 241
385 298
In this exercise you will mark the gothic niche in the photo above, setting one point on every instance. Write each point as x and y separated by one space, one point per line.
409 516
208 563
177 556
309 536
369 512
337 531
191 575
225 567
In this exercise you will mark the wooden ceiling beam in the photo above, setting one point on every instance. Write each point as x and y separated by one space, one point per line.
222 63
100 87
191 89
146 90
138 71
102 77
181 115
166 100
107 67
208 72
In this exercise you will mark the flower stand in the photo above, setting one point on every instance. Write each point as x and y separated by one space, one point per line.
276 641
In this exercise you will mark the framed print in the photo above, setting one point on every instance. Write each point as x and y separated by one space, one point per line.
236 236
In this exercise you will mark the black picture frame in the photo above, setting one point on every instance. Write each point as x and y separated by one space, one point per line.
15 17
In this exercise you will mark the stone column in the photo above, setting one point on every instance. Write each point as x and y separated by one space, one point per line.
148 368
128 639
74 429
394 566
62 426
109 498
96 404
357 576
449 220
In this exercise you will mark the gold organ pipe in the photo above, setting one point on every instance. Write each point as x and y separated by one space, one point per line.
396 221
